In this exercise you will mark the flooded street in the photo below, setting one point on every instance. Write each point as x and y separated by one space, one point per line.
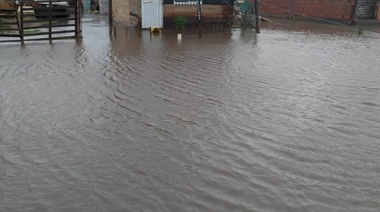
285 120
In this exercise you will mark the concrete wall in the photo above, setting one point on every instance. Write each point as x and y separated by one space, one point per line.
329 9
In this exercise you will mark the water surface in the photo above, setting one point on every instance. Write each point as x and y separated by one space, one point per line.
285 120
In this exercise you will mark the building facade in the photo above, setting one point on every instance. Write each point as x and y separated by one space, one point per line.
128 12
327 9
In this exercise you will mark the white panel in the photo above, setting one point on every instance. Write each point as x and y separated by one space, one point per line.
151 13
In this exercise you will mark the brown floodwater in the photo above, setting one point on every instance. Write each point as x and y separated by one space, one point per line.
284 120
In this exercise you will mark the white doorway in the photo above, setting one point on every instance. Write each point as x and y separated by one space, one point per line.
151 14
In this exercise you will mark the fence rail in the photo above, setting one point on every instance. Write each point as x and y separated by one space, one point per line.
10 28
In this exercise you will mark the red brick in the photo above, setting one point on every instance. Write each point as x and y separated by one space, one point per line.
329 9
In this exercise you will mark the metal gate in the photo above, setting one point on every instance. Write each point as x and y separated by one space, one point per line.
151 14
30 20
365 9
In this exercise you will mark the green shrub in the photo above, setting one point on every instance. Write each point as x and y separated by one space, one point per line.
180 22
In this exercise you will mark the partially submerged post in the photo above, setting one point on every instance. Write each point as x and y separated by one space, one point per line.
257 17
110 13
199 15
77 8
50 16
21 24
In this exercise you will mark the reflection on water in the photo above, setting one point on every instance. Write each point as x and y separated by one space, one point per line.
286 120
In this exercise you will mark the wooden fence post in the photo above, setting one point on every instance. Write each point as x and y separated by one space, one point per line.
199 15
21 24
76 8
257 16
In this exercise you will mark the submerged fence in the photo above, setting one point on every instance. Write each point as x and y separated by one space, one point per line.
208 14
28 20
190 13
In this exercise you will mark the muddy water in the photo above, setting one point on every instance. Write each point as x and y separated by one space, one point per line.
287 120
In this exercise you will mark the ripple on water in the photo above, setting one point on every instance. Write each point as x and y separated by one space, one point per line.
280 121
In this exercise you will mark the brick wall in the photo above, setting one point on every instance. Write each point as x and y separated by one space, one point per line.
329 9
121 10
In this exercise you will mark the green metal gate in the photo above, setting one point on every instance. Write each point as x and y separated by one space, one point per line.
29 20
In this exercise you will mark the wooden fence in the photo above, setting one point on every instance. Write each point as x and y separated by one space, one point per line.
28 20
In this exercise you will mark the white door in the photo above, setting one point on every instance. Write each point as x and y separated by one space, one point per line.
151 14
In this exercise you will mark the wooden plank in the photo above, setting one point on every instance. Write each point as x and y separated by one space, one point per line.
8 16
10 41
10 30
46 26
53 38
10 22
10 35
7 10
47 8
48 33
46 20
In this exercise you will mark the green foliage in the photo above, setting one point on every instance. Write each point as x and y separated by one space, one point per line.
360 32
180 22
